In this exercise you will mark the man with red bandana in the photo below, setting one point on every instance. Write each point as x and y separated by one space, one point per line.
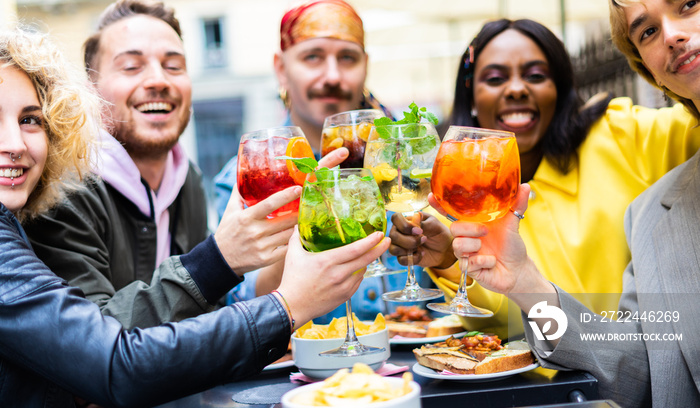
321 68
117 239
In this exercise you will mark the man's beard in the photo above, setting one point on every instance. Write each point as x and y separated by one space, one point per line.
139 146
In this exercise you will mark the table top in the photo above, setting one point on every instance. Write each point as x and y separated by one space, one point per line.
538 387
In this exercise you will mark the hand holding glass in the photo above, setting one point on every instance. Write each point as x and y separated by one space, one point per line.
475 178
338 207
401 158
351 129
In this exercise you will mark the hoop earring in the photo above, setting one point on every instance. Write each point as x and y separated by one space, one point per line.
284 97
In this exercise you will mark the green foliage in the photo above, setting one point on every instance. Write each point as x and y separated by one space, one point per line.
304 164
409 135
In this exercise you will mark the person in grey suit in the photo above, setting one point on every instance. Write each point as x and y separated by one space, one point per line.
647 353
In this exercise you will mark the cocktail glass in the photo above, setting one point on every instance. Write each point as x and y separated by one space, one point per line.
475 178
351 129
261 175
401 158
338 207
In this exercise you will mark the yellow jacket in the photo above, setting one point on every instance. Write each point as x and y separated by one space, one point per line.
573 227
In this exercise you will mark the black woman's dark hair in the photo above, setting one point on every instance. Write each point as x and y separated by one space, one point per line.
570 123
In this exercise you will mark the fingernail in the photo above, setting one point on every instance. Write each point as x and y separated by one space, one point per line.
417 231
423 239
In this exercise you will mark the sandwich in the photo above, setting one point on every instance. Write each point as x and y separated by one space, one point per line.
476 353
414 322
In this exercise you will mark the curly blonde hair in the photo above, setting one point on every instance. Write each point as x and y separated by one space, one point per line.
71 113
620 37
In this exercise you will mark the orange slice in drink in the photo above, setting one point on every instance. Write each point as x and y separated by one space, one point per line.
298 147
508 162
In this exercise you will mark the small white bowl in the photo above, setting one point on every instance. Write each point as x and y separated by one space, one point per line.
306 354
410 400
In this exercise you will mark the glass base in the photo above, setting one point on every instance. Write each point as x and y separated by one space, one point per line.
460 309
412 295
351 349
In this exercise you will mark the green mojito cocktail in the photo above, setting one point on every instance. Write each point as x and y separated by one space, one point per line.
339 206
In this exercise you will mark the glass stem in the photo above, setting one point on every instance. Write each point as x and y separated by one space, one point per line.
461 295
411 275
350 336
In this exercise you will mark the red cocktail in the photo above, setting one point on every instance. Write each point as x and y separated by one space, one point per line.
260 174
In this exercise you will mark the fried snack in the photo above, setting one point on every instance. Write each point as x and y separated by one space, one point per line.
354 389
337 327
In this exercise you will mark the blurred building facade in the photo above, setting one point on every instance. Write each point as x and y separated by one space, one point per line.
414 52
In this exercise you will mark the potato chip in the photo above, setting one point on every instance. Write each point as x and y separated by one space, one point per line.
337 328
354 389
304 328
379 324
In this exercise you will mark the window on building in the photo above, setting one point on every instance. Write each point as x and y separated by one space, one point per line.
214 47
218 128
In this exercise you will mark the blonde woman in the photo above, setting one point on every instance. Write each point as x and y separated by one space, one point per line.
46 129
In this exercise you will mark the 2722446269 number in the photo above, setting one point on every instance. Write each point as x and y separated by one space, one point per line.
655 316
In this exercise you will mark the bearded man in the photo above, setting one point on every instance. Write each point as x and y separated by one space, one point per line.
135 239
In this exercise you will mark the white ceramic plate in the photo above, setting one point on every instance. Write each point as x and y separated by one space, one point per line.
277 366
430 373
423 340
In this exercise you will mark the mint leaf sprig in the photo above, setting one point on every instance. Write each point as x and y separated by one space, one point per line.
409 138
413 117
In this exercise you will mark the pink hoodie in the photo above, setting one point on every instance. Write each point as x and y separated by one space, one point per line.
116 168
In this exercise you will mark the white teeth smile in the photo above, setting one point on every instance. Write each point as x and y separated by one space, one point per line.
155 106
10 173
517 116
689 60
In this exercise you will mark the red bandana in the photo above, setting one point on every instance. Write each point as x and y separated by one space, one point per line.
321 19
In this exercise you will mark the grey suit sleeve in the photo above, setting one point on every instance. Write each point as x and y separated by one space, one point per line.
621 367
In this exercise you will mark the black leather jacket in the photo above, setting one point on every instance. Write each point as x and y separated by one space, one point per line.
54 343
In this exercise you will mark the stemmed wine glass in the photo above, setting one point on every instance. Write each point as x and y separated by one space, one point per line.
401 157
260 175
338 207
351 129
475 178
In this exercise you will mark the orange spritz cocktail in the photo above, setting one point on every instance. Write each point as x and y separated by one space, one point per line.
260 174
477 179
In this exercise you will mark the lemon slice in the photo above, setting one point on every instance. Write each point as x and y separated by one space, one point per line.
384 172
421 173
